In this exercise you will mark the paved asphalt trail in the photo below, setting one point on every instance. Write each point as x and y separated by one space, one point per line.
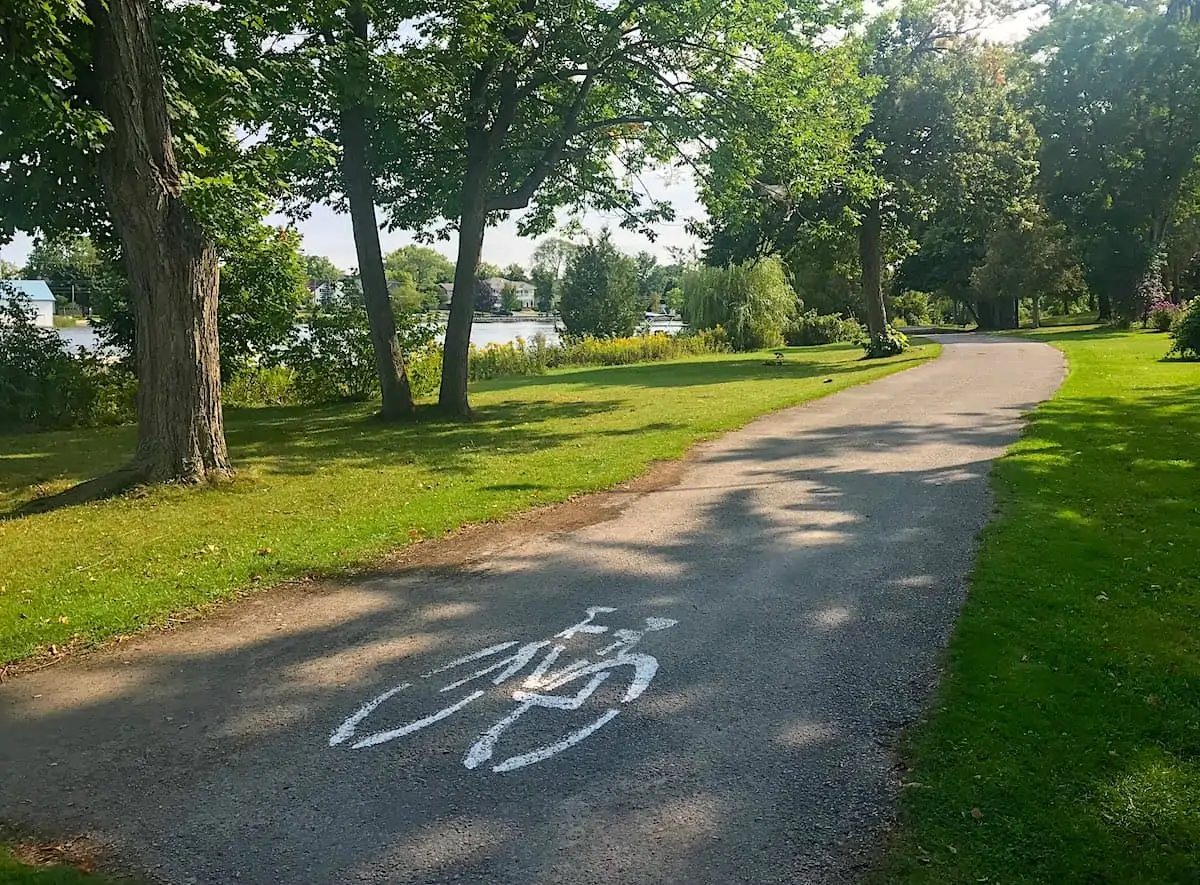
814 562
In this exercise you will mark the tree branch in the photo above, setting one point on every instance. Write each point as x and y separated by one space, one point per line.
519 198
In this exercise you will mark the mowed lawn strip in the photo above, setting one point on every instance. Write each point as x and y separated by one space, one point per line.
1064 743
320 490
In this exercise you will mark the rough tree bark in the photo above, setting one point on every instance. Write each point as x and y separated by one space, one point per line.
172 263
360 193
870 236
452 398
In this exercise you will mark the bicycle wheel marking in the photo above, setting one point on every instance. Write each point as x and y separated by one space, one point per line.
535 691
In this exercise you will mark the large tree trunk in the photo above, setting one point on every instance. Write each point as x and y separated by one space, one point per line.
1105 311
172 264
360 193
452 398
870 249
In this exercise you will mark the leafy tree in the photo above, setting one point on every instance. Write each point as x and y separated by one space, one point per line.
404 294
425 267
599 293
647 264
752 302
1033 258
824 266
956 153
9 271
551 256
89 141
69 264
319 269
488 271
509 299
1181 251
515 272
327 78
550 259
655 281
541 104
485 298
1117 96
545 287
943 136
42 386
262 288
413 274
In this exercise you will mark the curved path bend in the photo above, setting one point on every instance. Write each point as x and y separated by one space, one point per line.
776 618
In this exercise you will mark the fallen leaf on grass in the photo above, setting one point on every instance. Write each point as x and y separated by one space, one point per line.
976 814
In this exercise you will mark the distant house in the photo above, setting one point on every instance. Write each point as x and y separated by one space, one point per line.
494 288
36 294
324 291
525 292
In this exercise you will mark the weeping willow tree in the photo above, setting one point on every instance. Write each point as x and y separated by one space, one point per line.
753 302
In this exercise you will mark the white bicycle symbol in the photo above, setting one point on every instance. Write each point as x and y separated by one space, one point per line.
532 693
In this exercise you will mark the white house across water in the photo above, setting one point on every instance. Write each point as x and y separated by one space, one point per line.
36 294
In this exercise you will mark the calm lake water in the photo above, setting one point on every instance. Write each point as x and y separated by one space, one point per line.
481 333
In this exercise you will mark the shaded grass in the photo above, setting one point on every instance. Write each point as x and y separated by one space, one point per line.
1064 744
319 490
1068 319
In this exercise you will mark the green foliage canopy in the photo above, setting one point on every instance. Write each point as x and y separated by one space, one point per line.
600 291
1117 99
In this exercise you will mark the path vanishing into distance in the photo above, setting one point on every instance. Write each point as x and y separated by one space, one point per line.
694 683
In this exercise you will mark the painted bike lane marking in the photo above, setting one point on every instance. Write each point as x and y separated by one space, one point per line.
535 691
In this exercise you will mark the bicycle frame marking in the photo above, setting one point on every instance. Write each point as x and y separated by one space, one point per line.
535 691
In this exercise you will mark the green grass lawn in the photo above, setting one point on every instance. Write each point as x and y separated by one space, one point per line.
1064 743
320 490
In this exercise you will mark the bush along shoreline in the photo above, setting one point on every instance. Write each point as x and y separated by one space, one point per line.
347 374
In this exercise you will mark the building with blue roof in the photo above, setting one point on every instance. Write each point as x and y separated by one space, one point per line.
36 294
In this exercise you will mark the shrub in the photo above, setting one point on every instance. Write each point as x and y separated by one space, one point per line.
424 365
261 292
811 328
1186 332
754 303
639 349
534 357
600 292
43 387
332 357
260 386
912 308
1162 316
116 386
888 343
501 360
